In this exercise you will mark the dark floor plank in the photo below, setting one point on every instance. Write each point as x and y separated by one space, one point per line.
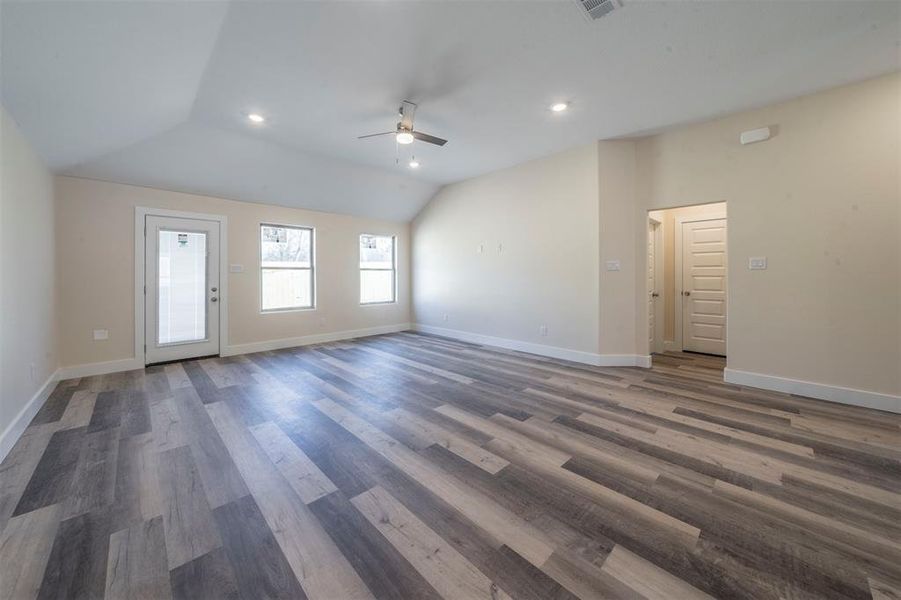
260 567
78 561
135 414
107 410
386 573
18 467
207 577
55 405
221 480
94 481
52 478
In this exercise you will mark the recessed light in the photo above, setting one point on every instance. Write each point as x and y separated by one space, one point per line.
414 164
254 117
559 106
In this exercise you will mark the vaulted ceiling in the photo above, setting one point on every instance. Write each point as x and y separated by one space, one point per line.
157 93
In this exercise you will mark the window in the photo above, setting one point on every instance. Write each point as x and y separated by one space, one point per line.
286 264
377 269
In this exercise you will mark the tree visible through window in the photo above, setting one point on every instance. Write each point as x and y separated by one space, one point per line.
377 269
286 263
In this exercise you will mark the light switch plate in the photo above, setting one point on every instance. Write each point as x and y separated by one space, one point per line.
757 263
101 334
236 268
613 265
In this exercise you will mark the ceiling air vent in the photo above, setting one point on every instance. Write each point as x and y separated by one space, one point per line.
595 9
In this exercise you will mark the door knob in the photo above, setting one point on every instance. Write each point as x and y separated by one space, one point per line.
214 299
214 289
686 293
654 294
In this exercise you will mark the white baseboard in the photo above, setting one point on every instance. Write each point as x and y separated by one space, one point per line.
129 364
821 391
100 368
643 361
579 356
317 338
14 430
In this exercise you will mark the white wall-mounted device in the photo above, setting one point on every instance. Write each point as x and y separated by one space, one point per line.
757 263
755 135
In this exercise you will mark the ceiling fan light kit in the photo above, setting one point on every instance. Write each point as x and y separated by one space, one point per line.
405 133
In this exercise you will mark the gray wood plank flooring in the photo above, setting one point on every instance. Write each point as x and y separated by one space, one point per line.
412 466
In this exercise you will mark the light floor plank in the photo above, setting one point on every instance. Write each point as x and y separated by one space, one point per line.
447 570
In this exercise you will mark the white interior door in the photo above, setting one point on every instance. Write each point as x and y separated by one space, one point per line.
655 281
181 294
704 286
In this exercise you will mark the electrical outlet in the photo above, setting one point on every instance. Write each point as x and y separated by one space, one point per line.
445 317
101 334
542 329
480 248
500 248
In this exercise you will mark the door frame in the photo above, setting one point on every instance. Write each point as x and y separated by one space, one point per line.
659 284
141 214
677 273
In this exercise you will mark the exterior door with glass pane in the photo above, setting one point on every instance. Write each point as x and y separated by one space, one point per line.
181 295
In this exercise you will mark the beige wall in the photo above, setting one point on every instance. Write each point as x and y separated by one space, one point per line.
28 347
96 262
667 219
544 214
821 201
616 201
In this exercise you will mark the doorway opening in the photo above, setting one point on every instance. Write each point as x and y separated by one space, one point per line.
688 279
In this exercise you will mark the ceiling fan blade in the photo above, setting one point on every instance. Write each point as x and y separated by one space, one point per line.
430 139
375 135
407 112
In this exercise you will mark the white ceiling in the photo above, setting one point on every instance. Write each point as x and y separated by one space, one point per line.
156 93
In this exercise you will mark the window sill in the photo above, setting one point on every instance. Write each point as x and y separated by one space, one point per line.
271 311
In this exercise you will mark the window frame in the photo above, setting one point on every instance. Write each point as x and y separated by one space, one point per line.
311 268
393 268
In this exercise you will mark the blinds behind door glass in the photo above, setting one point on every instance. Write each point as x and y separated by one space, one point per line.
182 287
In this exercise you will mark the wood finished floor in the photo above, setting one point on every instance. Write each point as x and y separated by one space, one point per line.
407 466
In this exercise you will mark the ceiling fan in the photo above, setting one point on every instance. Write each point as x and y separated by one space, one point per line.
405 134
